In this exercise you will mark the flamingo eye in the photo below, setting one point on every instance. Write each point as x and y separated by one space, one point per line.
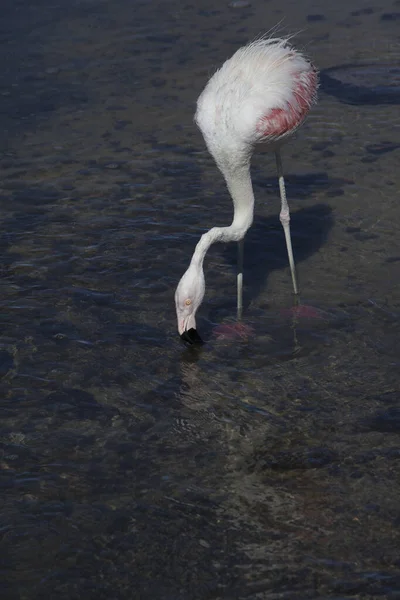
188 302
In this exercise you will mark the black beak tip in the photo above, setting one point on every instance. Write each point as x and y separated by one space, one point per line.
191 337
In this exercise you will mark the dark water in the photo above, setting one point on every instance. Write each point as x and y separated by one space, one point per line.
131 466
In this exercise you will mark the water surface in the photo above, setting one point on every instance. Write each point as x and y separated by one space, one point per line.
131 466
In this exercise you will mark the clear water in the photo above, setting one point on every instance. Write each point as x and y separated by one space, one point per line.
131 466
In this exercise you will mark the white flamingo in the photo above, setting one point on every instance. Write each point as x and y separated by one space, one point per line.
262 94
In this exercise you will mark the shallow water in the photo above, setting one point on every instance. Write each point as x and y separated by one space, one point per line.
132 466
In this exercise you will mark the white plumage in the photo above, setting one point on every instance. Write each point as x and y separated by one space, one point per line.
261 94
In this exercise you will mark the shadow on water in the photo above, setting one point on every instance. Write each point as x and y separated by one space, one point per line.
363 84
265 247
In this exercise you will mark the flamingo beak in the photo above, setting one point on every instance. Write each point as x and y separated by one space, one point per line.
191 337
188 332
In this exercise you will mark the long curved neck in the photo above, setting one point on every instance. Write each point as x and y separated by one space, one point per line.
241 190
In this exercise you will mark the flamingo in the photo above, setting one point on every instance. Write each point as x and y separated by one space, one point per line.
262 94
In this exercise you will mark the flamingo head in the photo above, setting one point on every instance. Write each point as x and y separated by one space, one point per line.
188 297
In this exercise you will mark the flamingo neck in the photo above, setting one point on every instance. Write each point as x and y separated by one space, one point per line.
241 189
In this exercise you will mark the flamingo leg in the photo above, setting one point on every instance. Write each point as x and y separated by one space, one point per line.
240 280
285 219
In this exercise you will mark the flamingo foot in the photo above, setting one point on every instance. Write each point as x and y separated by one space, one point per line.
303 311
233 331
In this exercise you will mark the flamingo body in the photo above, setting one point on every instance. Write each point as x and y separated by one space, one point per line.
262 94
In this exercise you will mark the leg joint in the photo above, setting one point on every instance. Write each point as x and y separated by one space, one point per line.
284 215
